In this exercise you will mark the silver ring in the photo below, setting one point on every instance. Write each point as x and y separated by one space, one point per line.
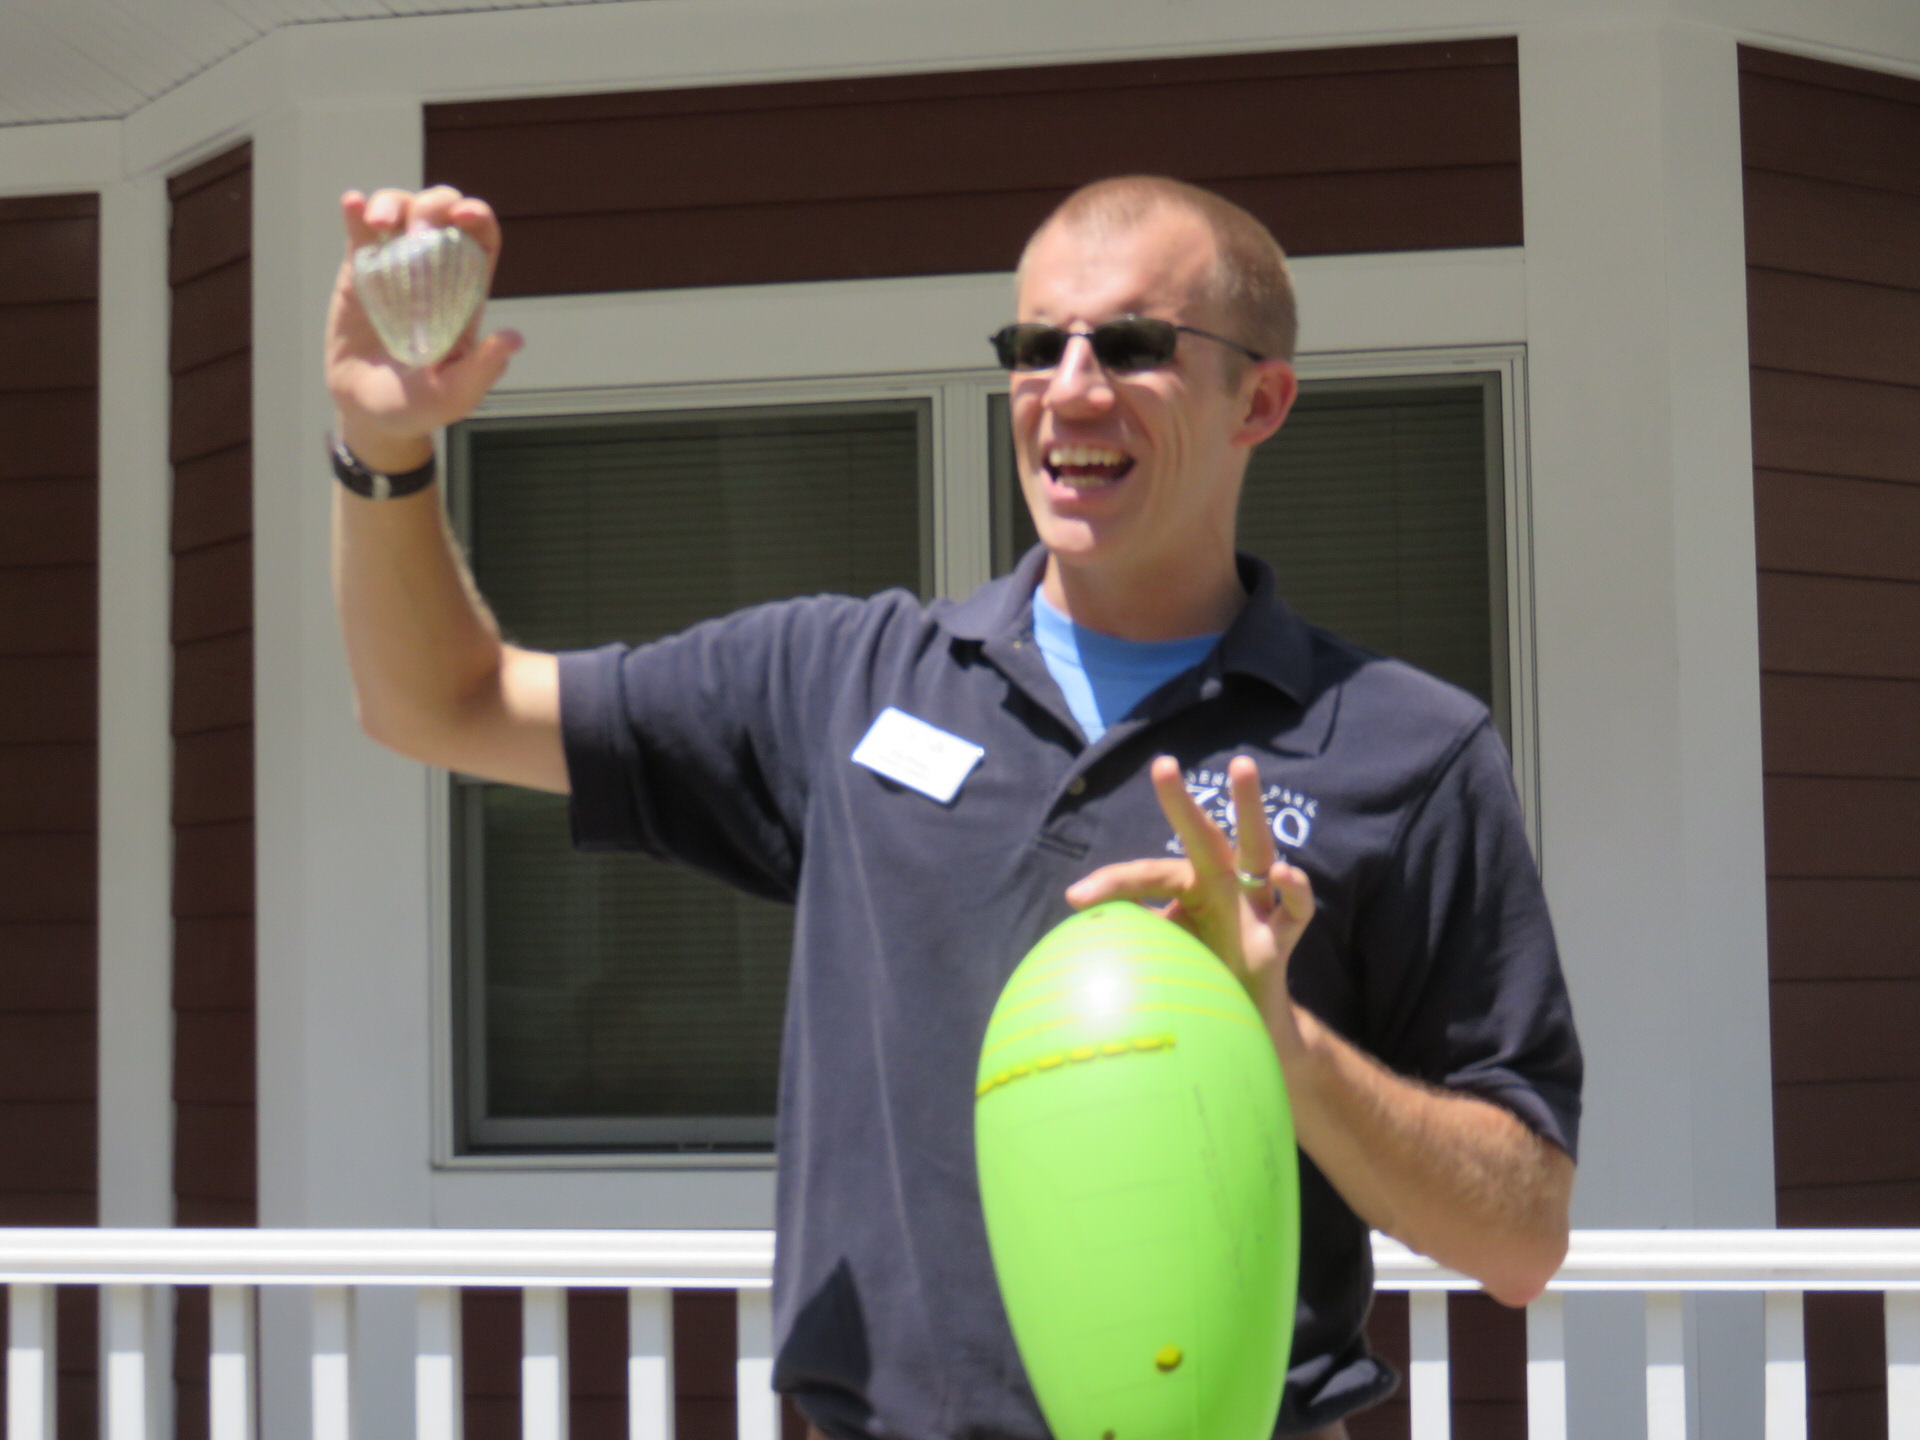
1251 883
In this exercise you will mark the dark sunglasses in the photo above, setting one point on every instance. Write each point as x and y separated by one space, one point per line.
1132 342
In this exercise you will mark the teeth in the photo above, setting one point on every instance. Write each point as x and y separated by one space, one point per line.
1064 457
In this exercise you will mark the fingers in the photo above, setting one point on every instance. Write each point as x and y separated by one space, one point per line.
1253 848
1132 880
353 210
1206 846
1293 894
388 212
469 376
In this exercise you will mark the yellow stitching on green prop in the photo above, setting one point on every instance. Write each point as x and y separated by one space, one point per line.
1142 1045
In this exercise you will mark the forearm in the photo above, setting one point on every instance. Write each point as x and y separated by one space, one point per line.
421 645
1452 1176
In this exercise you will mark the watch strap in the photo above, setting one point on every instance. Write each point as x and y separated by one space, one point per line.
371 484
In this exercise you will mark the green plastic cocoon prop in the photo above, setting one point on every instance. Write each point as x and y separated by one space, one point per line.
1140 1183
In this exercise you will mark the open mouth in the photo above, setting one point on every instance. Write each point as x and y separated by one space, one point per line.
1087 467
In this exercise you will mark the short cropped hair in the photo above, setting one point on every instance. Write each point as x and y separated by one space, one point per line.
1252 287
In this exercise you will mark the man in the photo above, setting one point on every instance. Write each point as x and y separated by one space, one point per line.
1130 668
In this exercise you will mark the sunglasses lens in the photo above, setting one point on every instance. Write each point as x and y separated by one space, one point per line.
1134 343
1030 346
1121 346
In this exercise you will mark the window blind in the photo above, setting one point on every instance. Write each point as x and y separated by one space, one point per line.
614 1000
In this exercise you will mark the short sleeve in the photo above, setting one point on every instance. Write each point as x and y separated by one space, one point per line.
1457 926
698 748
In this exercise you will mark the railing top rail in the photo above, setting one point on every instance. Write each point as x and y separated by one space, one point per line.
1698 1260
743 1259
681 1259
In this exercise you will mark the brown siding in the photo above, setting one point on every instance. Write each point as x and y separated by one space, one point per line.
49 678
210 360
1832 158
1385 148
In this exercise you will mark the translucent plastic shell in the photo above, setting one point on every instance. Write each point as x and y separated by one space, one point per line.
420 290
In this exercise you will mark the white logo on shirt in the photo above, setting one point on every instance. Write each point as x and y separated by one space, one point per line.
1289 814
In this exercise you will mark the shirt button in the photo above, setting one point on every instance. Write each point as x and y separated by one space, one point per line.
1077 785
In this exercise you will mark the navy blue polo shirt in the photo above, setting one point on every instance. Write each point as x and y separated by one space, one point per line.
728 748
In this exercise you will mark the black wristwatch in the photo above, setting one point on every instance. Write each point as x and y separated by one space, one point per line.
370 484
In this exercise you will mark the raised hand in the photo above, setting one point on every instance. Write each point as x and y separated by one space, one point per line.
388 412
1244 904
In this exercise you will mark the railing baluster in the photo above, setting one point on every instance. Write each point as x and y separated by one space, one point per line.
649 1364
1666 1366
758 1409
1786 1366
1547 1368
30 1362
230 1363
1429 1383
1903 1365
437 1390
332 1363
127 1399
543 1363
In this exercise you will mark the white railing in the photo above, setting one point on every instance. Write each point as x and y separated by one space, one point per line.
1663 1265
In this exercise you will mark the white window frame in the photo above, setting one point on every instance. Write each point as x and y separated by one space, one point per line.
1424 314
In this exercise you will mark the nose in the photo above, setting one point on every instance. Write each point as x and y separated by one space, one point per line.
1079 380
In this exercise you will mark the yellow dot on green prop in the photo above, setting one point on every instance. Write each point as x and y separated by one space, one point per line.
1051 1062
1081 1052
1168 1357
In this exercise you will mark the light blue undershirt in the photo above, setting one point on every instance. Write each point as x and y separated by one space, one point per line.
1102 676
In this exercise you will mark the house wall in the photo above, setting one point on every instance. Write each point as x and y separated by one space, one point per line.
1832 161
49 676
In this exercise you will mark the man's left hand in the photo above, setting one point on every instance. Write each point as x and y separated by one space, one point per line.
1247 906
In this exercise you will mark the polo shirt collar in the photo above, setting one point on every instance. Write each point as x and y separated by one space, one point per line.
1265 641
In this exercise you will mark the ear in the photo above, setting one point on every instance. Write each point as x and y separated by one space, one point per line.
1269 390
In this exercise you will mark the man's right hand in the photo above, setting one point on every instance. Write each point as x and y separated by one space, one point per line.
388 412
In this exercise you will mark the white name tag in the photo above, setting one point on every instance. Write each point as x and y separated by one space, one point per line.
917 755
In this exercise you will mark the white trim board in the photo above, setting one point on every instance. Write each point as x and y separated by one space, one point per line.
136 749
1415 300
59 159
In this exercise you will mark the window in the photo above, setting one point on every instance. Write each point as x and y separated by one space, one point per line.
612 1004
611 1000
